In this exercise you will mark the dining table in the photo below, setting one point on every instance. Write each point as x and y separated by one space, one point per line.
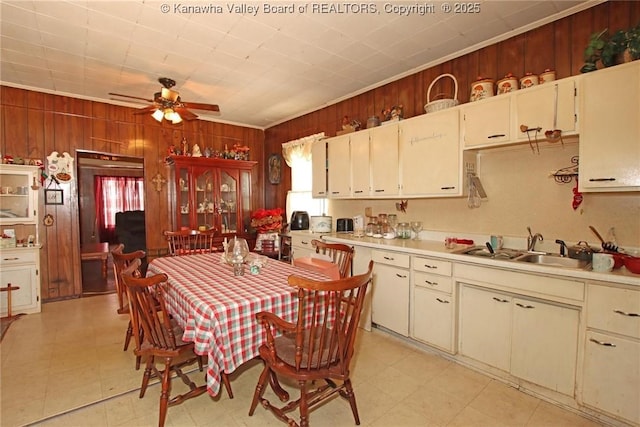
217 310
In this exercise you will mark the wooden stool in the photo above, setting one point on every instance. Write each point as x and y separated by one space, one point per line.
8 290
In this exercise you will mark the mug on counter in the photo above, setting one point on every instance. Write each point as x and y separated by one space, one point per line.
602 262
497 242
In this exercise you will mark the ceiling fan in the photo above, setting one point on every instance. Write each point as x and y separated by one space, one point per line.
168 105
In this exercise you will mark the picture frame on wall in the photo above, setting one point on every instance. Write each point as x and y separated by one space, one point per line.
53 197
275 168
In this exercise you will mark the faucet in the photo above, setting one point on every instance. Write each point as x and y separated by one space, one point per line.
532 239
563 246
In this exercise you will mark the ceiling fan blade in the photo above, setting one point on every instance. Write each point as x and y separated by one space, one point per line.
130 96
144 110
185 114
198 106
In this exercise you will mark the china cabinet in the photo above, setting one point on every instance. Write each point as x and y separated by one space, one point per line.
211 192
19 254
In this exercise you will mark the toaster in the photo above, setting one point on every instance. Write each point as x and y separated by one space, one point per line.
344 225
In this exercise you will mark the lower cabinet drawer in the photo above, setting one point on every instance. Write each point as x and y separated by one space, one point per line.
433 281
391 258
613 309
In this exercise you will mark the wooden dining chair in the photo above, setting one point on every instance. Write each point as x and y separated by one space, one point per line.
120 262
318 347
189 242
337 253
162 341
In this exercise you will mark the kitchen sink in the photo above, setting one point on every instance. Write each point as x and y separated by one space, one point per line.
553 260
483 251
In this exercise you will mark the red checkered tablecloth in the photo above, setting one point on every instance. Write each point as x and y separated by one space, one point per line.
217 309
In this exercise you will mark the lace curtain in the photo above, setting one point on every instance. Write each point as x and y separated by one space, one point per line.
299 148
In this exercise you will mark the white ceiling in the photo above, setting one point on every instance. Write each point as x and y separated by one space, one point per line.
261 69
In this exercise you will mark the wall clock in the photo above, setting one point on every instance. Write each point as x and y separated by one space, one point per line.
48 220
52 197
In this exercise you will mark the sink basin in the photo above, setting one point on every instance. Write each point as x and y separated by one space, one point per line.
482 251
553 260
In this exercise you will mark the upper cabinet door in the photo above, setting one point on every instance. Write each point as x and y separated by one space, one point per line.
610 129
487 122
360 172
319 169
430 154
550 106
339 166
18 201
384 161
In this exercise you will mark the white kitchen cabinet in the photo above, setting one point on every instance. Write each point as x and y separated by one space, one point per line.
548 106
18 201
360 263
433 305
20 267
339 167
612 351
319 169
544 344
609 146
611 374
360 164
390 299
485 326
486 122
301 244
533 340
430 159
385 180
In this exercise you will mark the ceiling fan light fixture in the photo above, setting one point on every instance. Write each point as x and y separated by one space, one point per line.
158 115
176 119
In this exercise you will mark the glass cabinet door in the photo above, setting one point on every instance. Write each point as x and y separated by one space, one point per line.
17 203
229 202
205 208
182 195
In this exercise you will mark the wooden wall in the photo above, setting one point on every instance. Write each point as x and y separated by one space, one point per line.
558 46
33 124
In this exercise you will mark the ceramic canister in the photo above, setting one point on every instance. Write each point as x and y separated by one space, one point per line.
528 80
508 84
481 89
547 76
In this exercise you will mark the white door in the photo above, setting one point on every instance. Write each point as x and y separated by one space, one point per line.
360 163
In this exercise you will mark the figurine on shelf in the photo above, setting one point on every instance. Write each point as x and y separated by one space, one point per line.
185 146
393 113
207 152
195 151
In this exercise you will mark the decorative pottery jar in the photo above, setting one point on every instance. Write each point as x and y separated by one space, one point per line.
508 84
481 89
547 76
528 80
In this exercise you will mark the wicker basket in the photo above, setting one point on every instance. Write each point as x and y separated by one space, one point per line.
441 104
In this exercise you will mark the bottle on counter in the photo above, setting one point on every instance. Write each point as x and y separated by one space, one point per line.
403 230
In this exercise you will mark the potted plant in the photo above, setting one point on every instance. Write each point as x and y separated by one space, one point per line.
593 51
633 42
614 48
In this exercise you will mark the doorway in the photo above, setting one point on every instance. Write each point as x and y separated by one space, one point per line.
102 178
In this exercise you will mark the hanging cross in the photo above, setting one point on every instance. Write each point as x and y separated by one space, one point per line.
158 181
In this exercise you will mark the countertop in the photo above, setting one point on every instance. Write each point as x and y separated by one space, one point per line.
436 248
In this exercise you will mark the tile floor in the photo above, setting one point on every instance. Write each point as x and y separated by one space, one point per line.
65 367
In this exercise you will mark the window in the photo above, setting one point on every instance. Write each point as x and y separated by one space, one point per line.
116 194
297 154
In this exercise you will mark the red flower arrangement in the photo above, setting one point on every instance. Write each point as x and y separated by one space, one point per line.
267 220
